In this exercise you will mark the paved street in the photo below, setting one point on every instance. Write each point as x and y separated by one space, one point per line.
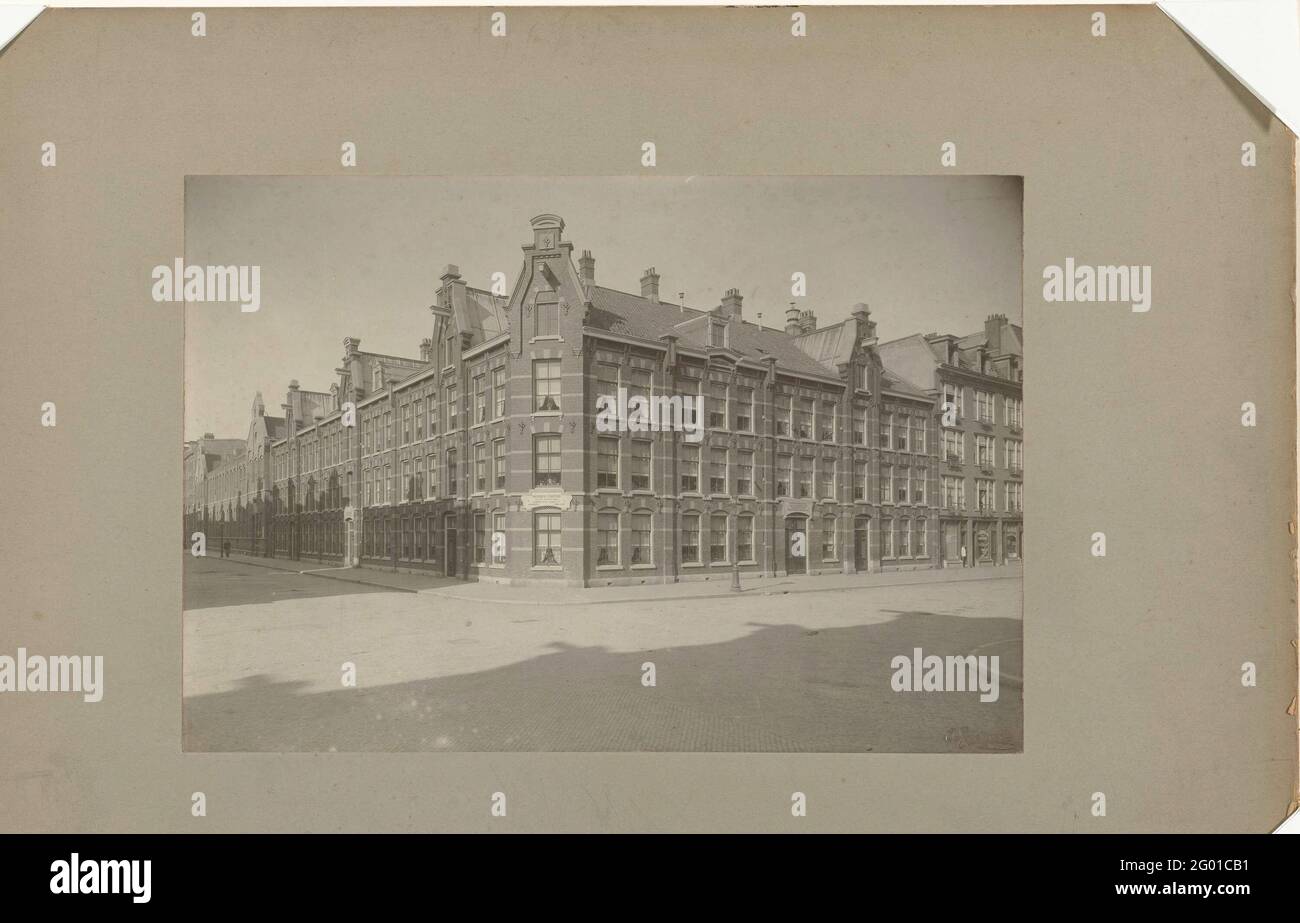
757 671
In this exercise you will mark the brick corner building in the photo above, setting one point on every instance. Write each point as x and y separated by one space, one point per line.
482 458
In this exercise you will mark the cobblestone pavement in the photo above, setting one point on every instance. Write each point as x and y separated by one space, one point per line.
744 672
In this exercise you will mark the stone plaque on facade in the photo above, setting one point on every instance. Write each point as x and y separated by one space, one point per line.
540 497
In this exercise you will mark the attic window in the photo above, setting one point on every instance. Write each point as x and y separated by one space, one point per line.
378 380
717 333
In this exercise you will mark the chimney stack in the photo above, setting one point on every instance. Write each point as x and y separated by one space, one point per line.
866 327
587 267
993 328
807 321
650 285
731 303
792 325
426 350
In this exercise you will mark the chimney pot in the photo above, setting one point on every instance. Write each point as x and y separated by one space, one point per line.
587 267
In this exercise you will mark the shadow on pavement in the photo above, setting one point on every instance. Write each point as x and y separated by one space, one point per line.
781 688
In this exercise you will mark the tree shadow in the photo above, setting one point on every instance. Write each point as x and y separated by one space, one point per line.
780 688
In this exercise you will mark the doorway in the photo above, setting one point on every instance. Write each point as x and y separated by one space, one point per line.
796 545
860 525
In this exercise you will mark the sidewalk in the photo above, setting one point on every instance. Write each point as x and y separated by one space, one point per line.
533 595
398 581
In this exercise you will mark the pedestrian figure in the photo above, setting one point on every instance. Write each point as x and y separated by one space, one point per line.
225 548
963 556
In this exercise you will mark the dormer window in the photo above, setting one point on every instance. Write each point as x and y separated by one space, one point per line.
717 333
377 382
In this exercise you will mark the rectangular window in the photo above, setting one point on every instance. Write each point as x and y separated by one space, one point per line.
499 464
406 424
641 383
745 539
886 538
918 435
641 523
826 422
432 476
546 384
984 406
886 484
745 474
902 536
607 539
480 398
453 415
419 538
984 449
607 461
718 538
784 413
954 446
804 474
918 486
433 416
717 471
641 460
745 410
901 432
390 489
479 538
498 538
419 421
784 474
546 460
901 479
498 393
803 419
691 538
1014 451
453 485
886 430
690 469
918 538
826 478
418 489
606 386
546 539
860 480
828 538
717 405
985 494
1015 497
480 468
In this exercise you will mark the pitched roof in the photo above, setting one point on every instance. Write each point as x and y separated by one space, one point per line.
631 315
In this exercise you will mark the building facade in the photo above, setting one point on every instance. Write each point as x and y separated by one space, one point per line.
505 451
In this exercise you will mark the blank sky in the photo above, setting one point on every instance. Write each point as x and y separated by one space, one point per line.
361 256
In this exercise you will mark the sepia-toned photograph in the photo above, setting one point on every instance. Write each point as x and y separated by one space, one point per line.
676 465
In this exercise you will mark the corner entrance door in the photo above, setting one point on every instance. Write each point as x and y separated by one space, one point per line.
449 544
796 545
860 543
